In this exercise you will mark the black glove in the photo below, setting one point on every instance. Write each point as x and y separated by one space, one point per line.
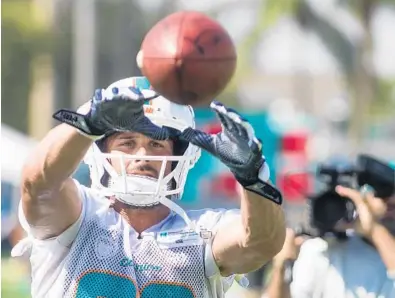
238 148
114 110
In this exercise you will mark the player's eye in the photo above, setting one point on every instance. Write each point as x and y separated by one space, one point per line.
156 144
129 144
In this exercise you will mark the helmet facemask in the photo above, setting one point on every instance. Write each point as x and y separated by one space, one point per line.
142 191
139 190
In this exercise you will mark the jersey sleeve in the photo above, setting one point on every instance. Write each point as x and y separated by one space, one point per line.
90 203
47 256
67 236
211 220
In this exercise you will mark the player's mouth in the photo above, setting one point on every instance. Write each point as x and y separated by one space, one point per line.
149 174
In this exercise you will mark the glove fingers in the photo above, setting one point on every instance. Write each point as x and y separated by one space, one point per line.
199 138
241 126
253 142
98 95
128 93
220 110
245 130
233 121
256 145
149 129
119 113
114 109
122 109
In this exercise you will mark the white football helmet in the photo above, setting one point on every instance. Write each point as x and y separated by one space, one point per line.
143 191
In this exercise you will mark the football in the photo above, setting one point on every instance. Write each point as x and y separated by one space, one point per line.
188 58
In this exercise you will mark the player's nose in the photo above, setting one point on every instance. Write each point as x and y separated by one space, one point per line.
142 151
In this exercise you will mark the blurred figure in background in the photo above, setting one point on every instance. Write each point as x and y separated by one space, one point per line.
358 262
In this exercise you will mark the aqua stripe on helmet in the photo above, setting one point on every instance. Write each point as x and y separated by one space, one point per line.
142 83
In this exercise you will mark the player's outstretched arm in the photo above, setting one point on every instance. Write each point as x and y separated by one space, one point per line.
245 244
50 199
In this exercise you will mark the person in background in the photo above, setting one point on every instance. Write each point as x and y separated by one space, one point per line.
362 265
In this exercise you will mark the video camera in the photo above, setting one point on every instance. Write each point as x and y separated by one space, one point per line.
327 207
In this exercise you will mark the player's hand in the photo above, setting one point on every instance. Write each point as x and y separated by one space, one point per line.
116 109
237 147
369 209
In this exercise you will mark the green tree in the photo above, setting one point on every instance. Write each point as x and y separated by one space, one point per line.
368 93
22 38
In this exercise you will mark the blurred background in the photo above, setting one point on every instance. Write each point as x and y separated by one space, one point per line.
315 77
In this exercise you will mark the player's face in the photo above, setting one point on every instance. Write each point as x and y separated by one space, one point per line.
137 144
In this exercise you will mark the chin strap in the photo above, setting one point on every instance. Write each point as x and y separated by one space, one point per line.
177 209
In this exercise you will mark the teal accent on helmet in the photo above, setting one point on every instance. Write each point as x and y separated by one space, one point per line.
142 83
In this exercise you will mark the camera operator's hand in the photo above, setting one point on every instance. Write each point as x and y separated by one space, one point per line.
290 250
369 209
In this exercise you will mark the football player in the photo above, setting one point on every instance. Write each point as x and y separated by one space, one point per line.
126 236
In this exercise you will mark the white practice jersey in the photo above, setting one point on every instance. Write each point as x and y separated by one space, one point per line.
102 256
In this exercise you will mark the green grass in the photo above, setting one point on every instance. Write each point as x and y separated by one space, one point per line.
14 279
